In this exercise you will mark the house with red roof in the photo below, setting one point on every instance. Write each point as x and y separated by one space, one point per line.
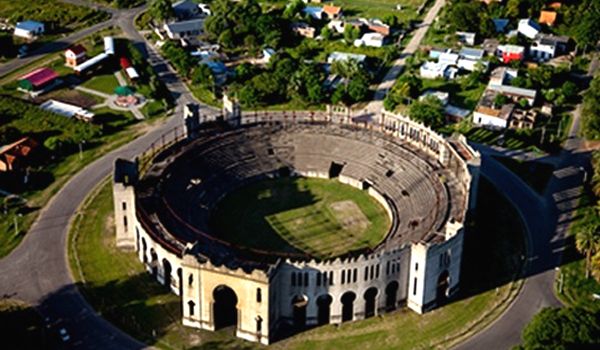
75 55
14 156
38 80
332 12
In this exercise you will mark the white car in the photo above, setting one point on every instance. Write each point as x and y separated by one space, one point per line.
64 335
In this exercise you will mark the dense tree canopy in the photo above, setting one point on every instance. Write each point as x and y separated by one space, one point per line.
566 328
429 111
161 10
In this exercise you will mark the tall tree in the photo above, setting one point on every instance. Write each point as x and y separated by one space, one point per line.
161 10
587 241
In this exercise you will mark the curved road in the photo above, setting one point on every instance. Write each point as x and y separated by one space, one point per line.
37 271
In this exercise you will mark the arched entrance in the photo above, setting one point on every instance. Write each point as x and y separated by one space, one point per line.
225 312
144 250
324 309
391 295
180 279
167 272
299 303
154 262
348 306
370 302
443 287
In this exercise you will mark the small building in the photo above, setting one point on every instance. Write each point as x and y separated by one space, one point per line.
466 37
528 28
448 58
515 93
314 12
93 62
67 110
443 96
546 47
523 119
303 29
371 40
109 45
500 24
184 29
436 70
128 68
378 26
267 54
29 29
15 156
472 65
503 75
435 53
38 80
489 116
75 55
344 56
490 46
336 25
510 53
548 18
471 53
332 12
185 9
456 114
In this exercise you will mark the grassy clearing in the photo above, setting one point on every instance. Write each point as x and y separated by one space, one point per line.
571 285
116 285
300 214
105 83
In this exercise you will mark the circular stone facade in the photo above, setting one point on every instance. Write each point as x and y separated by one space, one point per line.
422 181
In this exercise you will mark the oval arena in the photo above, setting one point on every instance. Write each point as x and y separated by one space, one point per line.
422 184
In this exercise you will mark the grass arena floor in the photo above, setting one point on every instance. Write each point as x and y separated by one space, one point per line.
117 286
319 217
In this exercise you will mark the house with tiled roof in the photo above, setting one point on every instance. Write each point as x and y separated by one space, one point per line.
37 79
548 18
15 155
332 12
75 55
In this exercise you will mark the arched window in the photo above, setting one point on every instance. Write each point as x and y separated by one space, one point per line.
258 295
191 306
258 324
190 280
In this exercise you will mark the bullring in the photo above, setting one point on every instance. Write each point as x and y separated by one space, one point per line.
164 201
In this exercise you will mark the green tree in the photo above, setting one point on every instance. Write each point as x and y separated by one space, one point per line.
358 88
587 242
161 10
203 76
567 328
351 33
293 9
429 111
326 33
500 100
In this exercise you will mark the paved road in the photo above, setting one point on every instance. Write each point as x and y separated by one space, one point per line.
386 84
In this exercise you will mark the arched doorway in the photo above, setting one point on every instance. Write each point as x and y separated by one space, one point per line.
370 302
443 287
167 272
391 295
180 279
144 250
348 306
299 303
225 307
154 262
324 309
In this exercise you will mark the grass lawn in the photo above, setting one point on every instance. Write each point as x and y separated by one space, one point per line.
320 217
104 83
120 290
118 129
576 289
535 174
59 17
22 327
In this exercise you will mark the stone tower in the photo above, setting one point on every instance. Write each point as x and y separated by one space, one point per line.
124 178
232 111
191 120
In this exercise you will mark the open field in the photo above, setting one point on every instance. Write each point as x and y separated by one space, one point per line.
121 291
105 83
320 217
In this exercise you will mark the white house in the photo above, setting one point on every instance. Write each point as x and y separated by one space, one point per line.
370 39
528 28
184 29
345 56
67 110
29 29
435 70
467 37
546 47
443 96
491 117
515 93
337 25
471 53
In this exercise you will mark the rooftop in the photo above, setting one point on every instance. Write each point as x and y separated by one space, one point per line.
40 76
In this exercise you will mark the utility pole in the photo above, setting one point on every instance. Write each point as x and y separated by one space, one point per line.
16 225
